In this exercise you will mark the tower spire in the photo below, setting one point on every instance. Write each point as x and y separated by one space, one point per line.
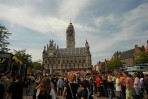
70 36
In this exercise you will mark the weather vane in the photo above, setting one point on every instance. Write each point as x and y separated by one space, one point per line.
70 20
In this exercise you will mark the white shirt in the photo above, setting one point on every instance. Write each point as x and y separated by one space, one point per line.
118 85
141 82
137 82
52 93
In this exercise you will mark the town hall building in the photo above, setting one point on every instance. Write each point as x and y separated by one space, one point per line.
67 59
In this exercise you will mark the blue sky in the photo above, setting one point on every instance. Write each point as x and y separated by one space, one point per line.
108 25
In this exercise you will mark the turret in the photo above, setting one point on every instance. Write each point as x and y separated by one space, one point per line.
44 49
47 46
57 47
44 52
87 45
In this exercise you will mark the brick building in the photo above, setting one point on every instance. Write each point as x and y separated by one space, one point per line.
129 57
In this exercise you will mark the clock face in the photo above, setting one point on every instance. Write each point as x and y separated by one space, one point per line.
50 54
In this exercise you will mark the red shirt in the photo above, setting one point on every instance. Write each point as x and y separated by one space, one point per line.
98 82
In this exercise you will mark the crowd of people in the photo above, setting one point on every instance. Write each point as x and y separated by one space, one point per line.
11 87
76 86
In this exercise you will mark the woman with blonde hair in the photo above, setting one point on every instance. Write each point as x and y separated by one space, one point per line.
71 87
45 91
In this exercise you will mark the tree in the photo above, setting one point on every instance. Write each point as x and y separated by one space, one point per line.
142 58
23 56
37 66
114 64
4 35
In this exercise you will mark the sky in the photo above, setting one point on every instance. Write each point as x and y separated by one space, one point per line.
107 25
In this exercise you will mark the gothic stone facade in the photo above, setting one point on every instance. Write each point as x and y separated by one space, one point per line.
69 58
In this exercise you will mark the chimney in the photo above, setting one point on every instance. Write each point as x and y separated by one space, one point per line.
136 46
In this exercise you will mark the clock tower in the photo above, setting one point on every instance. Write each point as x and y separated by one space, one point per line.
67 59
70 36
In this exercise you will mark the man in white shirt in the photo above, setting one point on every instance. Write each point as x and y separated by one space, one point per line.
137 84
118 87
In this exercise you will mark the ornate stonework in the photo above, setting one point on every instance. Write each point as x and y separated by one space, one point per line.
69 58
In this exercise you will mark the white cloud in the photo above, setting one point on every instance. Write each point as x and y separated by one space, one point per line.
35 53
118 28
134 22
24 16
71 8
129 28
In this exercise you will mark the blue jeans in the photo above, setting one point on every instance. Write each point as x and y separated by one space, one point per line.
110 93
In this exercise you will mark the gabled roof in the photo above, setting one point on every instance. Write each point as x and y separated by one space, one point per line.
130 53
127 54
142 48
73 51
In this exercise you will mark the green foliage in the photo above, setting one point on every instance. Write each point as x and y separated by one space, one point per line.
113 64
23 56
37 66
142 58
4 35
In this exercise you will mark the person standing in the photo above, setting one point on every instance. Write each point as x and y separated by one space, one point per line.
129 86
137 85
6 79
123 87
98 83
84 93
110 87
71 88
91 82
45 91
54 80
60 85
15 90
145 83
118 87
104 82
2 89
